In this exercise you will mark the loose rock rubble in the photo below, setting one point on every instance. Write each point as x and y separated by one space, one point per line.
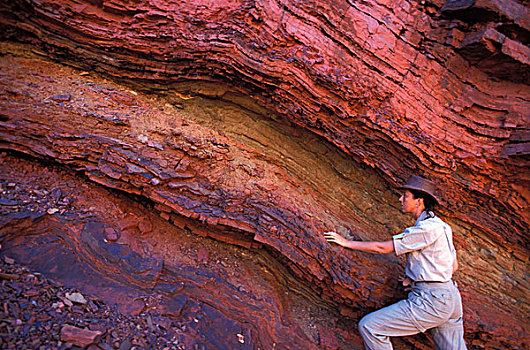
37 313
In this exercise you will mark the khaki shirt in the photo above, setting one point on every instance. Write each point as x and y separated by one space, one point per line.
429 248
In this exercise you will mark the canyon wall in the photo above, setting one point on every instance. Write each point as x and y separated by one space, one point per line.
268 122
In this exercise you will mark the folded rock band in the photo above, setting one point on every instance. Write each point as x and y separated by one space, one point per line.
434 302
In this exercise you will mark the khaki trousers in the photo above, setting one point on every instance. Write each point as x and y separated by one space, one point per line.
430 306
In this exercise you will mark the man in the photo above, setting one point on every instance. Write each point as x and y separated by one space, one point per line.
434 302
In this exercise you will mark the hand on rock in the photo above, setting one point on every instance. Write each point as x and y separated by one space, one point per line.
334 237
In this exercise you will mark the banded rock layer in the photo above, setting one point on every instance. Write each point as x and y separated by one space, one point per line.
337 103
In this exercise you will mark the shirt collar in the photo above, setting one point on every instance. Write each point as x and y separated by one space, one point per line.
424 215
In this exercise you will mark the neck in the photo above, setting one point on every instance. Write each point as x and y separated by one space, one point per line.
418 212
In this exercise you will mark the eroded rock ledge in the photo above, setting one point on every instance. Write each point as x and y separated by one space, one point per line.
399 89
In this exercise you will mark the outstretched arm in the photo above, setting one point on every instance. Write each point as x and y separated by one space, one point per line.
364 246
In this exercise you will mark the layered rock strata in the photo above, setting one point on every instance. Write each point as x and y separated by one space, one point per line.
164 286
429 88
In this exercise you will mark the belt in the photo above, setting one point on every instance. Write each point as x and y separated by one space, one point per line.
432 284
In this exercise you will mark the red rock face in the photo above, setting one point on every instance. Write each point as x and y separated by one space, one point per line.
279 120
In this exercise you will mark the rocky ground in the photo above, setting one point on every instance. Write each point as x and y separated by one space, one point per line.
40 313
37 313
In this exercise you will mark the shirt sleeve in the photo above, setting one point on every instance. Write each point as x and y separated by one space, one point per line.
416 238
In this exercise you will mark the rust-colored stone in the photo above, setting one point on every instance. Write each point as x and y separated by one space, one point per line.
78 336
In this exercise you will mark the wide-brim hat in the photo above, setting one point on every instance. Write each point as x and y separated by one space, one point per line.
420 184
